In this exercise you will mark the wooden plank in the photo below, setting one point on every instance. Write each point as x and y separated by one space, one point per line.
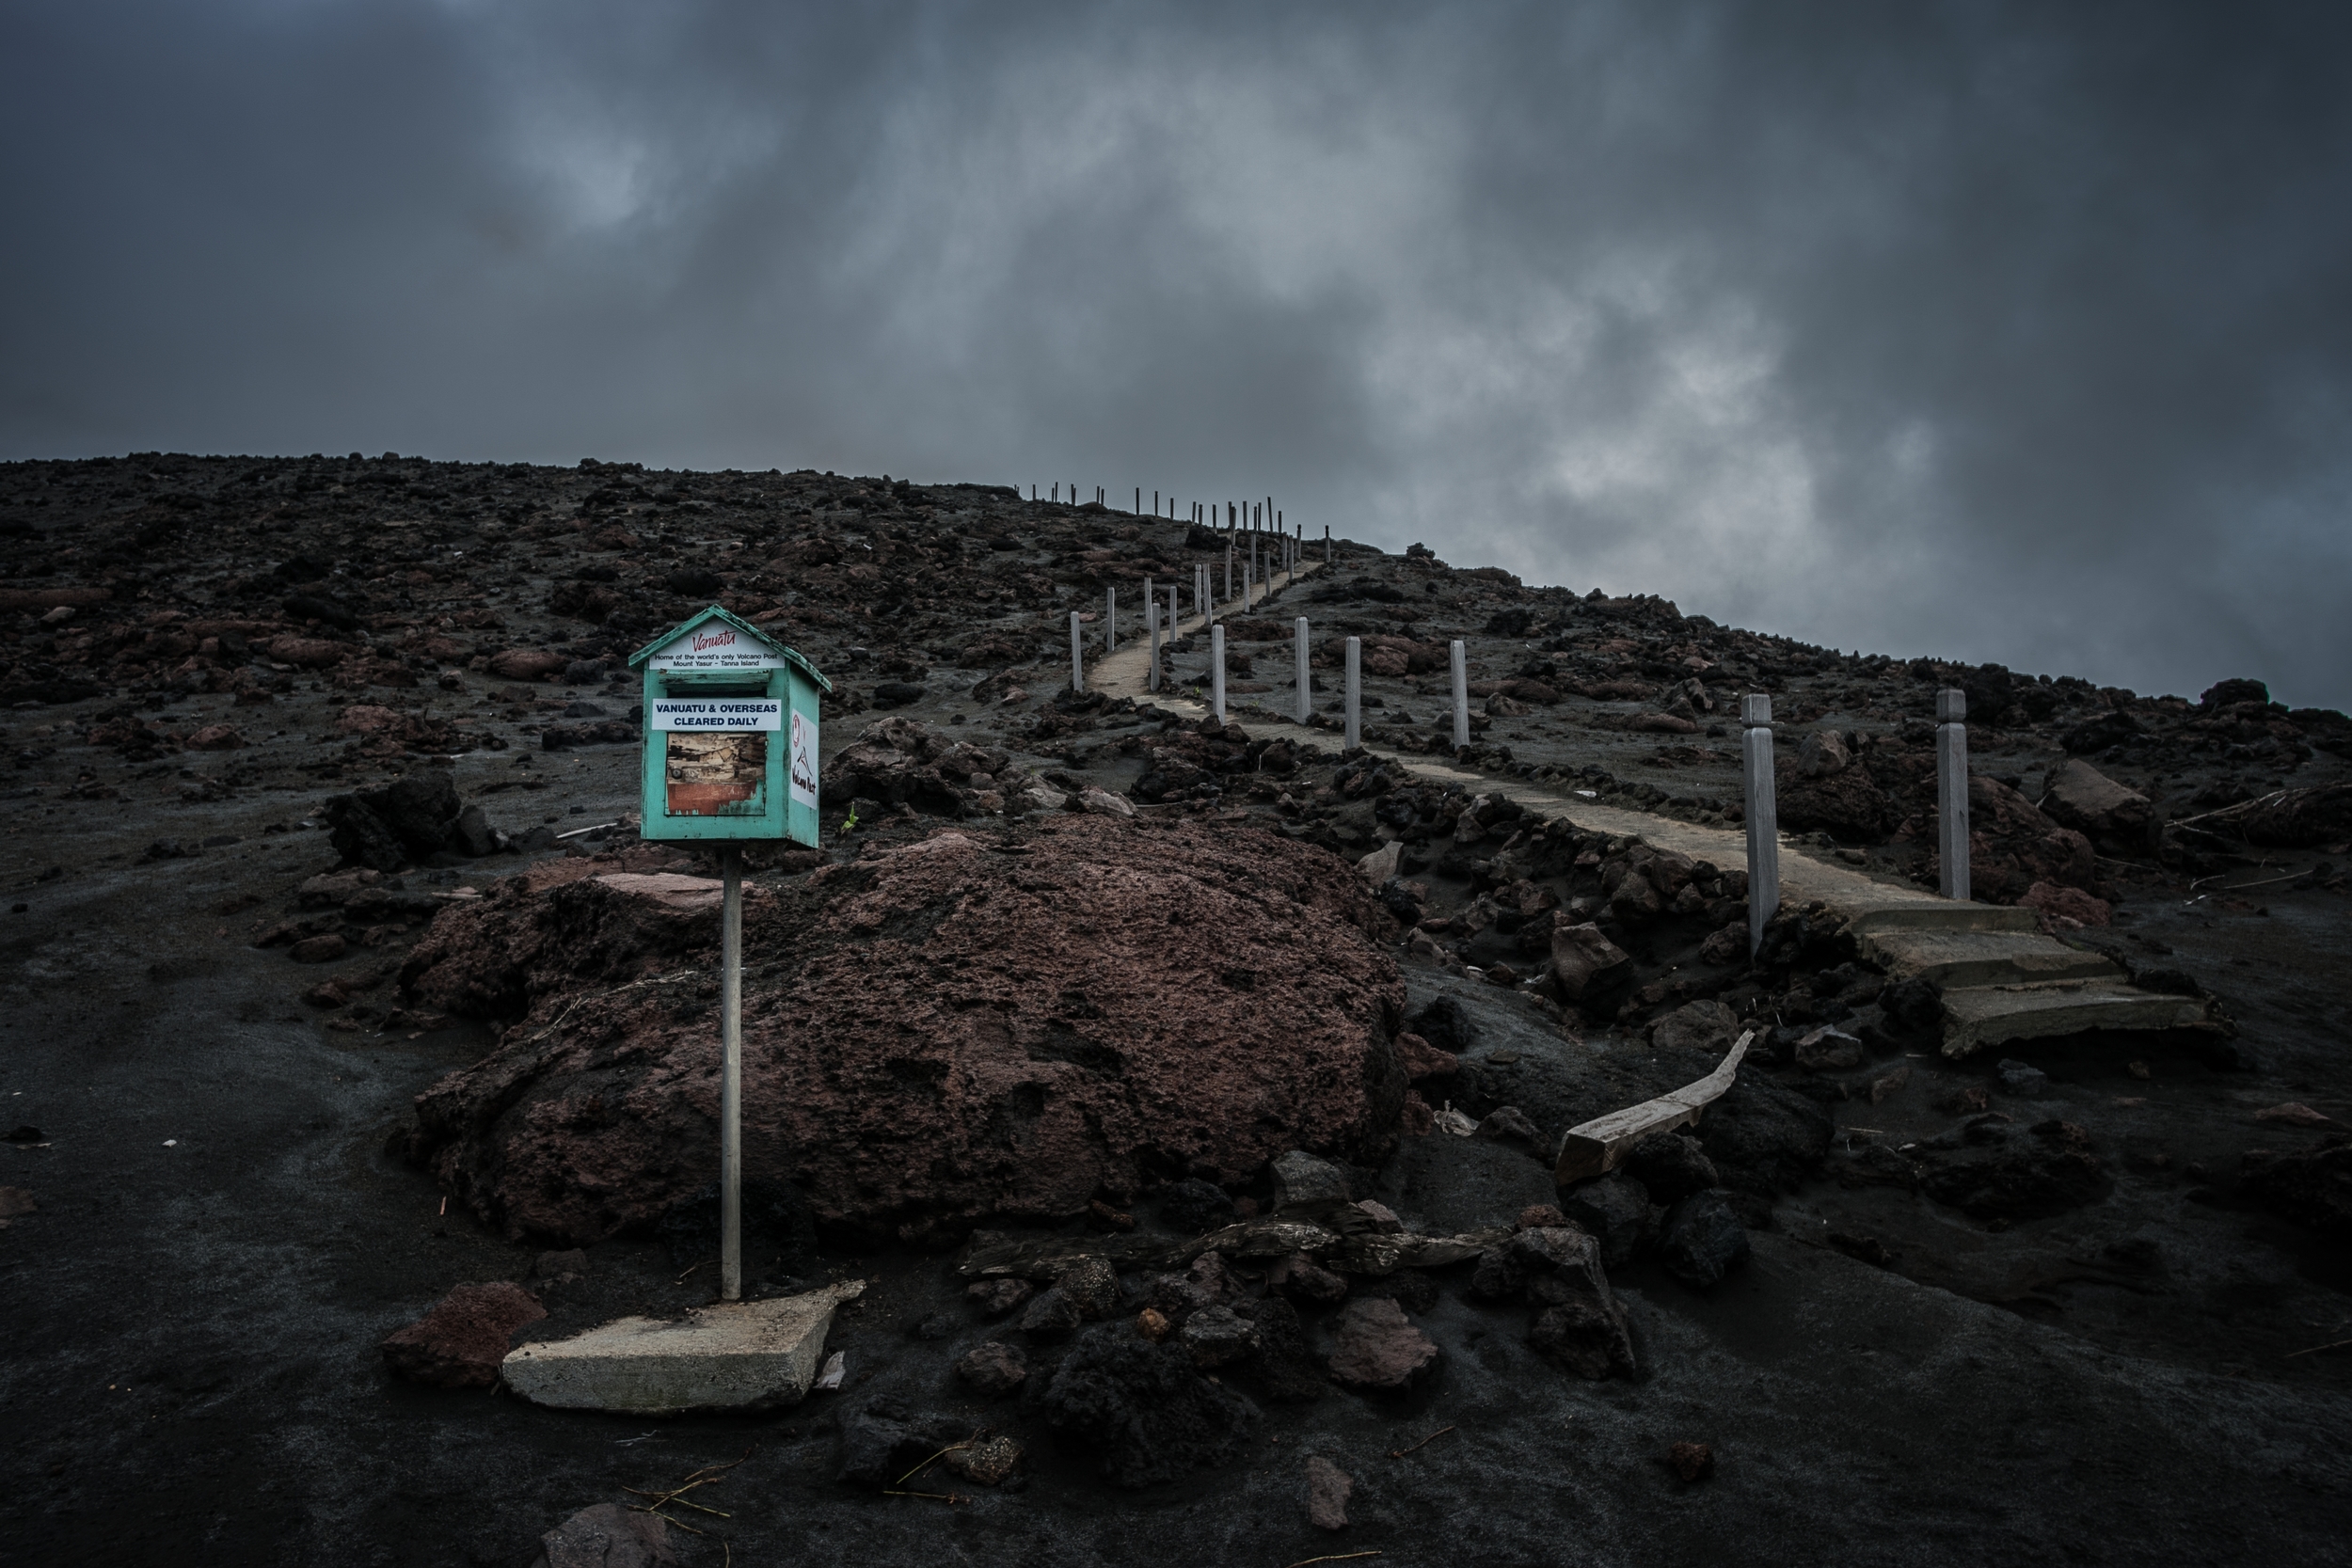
1596 1147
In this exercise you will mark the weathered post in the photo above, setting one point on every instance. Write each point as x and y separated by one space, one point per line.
1326 543
1078 657
1461 695
1306 676
1228 570
731 1075
1217 671
1110 620
1247 586
1355 692
1951 790
1152 633
1171 612
1756 766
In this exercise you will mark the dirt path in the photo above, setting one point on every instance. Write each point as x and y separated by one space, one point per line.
2004 981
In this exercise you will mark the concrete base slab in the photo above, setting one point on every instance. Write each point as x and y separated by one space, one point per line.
735 1355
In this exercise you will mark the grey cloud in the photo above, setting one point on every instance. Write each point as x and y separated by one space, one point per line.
1999 332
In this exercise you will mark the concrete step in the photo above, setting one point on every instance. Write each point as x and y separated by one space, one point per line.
1981 1016
1959 959
1924 913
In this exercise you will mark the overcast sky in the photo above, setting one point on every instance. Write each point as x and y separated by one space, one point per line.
2005 333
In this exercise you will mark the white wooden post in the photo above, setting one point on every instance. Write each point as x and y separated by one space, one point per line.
1355 692
1756 765
1228 570
1246 585
1078 657
1110 620
1152 633
1951 791
1306 676
1217 671
1461 695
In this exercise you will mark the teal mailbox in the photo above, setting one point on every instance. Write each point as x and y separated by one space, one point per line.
730 733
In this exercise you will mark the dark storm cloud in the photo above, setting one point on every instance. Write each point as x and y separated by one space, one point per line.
2006 333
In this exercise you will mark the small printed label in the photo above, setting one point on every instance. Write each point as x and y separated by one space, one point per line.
716 713
803 754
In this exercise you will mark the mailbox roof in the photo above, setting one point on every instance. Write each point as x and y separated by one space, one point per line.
718 612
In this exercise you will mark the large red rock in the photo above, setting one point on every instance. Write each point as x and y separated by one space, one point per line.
2012 846
307 653
1841 798
962 1029
461 1342
528 664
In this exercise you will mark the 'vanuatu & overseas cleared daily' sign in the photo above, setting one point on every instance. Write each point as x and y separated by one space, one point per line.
715 713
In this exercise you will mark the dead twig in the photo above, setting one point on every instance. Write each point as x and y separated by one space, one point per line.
935 1496
2315 1350
674 1500
670 979
2267 881
941 1454
1399 1453
1336 1557
656 1512
709 1475
2271 798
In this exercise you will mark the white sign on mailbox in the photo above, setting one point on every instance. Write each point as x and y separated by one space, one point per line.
802 756
716 713
716 646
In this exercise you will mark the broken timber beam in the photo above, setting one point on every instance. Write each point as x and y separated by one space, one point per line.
1596 1147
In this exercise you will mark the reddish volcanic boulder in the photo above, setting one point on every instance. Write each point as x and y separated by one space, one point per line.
462 1343
528 664
2012 846
962 1029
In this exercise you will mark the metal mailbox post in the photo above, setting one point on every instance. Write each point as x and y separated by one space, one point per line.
730 754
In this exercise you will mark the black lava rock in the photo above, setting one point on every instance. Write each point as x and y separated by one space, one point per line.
2314 1190
1703 1240
1446 1024
1764 1138
1614 1210
1142 1412
1193 1207
885 1439
1671 1166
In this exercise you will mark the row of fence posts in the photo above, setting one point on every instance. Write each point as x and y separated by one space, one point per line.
1756 740
1251 514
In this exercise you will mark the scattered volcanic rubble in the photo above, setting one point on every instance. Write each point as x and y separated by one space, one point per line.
1139 1022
